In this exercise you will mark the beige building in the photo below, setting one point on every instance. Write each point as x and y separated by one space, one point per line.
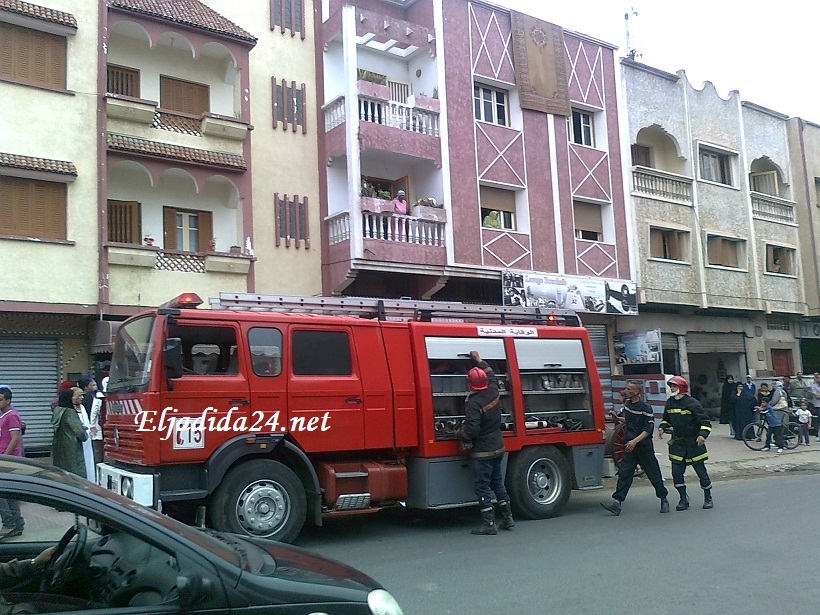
129 180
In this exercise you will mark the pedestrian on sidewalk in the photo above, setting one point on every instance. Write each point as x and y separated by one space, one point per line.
69 432
804 421
640 423
749 385
727 394
11 443
481 430
689 425
815 399
744 410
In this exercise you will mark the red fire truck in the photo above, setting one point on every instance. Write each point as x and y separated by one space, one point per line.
265 412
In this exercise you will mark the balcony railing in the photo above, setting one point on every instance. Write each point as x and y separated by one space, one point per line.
334 113
338 227
178 122
772 208
402 229
399 116
662 185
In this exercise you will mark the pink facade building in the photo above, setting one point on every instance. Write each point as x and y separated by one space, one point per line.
501 129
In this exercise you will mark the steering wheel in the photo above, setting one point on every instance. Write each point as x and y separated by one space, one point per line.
56 570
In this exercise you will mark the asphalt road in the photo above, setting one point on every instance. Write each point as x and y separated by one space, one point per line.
757 551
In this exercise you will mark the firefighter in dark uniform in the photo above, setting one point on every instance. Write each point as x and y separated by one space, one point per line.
481 429
689 425
638 449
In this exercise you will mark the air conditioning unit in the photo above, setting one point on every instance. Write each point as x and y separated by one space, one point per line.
101 334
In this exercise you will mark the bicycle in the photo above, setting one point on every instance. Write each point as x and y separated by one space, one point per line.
754 434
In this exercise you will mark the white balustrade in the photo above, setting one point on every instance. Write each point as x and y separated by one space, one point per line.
338 227
402 229
397 115
334 113
664 185
772 207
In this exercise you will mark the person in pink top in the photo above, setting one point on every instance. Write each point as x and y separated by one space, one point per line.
400 203
11 443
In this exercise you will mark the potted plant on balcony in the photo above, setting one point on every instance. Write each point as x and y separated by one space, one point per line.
148 239
375 200
212 245
424 102
373 84
236 249
429 209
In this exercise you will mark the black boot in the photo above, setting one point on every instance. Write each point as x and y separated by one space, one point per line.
507 521
614 507
664 505
707 499
487 527
684 499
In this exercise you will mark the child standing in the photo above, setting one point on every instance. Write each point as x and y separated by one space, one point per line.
804 421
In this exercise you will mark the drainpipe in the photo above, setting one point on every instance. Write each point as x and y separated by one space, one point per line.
102 189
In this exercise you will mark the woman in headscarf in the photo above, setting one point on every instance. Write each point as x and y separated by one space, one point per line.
69 433
727 396
744 409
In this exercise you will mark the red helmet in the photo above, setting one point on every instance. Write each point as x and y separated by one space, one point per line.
477 379
683 386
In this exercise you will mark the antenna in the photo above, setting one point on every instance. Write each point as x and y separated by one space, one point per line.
631 46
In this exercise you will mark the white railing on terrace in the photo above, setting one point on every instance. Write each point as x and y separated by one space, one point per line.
338 227
661 184
399 91
772 207
399 116
334 113
402 229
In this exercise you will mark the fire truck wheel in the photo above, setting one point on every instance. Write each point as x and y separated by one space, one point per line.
538 480
261 498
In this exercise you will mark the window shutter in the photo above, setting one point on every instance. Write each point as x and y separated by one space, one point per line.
640 155
169 222
588 217
206 227
124 222
673 245
23 50
32 208
184 96
656 243
7 57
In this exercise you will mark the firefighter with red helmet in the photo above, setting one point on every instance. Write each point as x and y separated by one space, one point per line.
482 429
689 425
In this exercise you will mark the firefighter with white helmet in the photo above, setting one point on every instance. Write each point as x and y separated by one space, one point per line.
482 429
689 425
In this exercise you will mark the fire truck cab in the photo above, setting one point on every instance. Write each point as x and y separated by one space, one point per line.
265 412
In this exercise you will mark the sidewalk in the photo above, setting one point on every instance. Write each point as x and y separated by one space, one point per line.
730 458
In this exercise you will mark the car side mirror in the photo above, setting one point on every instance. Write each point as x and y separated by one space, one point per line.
194 590
172 357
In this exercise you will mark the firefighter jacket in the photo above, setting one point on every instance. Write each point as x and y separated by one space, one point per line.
482 419
687 420
639 418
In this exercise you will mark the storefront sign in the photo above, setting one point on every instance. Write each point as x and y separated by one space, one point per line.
637 347
544 290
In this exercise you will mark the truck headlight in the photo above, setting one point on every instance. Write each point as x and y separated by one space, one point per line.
382 603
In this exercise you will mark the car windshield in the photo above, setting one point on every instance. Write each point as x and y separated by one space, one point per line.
131 362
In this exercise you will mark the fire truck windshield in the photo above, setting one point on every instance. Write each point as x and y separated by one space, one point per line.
131 363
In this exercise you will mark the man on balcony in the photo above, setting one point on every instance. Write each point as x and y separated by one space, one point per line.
400 203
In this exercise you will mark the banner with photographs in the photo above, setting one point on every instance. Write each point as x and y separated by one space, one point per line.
547 290
637 347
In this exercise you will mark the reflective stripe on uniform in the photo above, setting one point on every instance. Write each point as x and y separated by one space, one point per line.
679 411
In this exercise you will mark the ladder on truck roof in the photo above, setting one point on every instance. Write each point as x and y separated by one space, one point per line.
393 309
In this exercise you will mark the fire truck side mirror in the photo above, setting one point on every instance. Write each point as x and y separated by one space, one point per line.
172 357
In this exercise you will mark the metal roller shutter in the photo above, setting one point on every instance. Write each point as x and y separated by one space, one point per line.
706 343
599 340
30 367
669 341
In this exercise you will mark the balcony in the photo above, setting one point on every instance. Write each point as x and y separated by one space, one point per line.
662 185
775 209
142 275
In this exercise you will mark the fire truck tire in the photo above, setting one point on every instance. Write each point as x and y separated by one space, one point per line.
261 498
539 482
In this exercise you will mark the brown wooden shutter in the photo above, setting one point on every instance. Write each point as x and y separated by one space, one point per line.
124 222
640 155
7 58
206 226
184 96
656 243
32 208
169 221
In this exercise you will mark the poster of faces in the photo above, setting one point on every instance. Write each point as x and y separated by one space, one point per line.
545 290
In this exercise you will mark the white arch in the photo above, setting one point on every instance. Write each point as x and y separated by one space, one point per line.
233 190
175 40
132 30
130 166
175 174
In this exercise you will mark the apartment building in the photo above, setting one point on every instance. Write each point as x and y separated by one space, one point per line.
128 139
717 230
501 129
